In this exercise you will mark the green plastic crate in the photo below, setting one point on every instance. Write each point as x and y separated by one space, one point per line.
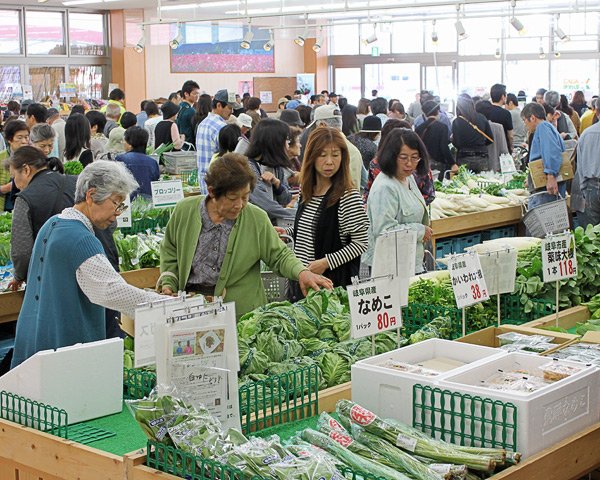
137 383
279 399
416 315
463 419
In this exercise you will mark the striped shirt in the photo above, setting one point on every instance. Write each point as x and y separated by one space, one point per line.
207 144
353 223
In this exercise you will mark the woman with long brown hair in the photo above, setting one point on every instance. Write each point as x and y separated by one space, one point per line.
331 227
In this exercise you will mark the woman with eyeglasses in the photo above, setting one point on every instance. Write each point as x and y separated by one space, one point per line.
45 192
395 200
16 134
67 292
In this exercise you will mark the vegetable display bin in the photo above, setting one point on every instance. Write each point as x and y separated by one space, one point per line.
389 392
547 415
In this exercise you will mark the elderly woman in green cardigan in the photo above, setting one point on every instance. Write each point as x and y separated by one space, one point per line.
213 245
16 134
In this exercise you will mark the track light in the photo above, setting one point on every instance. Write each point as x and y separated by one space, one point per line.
460 28
317 46
299 40
247 41
560 33
268 46
542 54
557 54
514 21
434 35
372 38
139 47
177 40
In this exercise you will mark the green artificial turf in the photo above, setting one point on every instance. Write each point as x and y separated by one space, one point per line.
288 430
129 436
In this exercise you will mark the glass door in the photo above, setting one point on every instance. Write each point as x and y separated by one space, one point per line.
440 81
348 83
401 81
45 81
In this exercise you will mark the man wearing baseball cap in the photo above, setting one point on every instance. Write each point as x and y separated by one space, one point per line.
281 104
331 116
207 135
244 121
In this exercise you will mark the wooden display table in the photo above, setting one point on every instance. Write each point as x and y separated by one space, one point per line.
10 302
476 222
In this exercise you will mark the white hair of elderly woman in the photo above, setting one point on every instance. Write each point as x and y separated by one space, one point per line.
40 132
107 178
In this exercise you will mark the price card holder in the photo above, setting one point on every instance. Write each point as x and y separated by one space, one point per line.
507 164
468 282
395 255
124 220
499 270
374 306
166 193
559 261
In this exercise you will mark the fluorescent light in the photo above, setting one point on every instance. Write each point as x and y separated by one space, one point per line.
294 9
82 2
186 6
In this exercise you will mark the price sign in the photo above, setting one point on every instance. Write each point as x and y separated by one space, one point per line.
559 260
124 220
374 306
468 281
499 270
166 193
507 164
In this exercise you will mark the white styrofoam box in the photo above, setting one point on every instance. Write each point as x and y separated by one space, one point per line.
389 393
545 416
86 379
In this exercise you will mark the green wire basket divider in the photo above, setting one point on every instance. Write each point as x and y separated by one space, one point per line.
142 225
416 315
48 419
463 419
279 399
36 415
513 311
191 467
190 177
138 383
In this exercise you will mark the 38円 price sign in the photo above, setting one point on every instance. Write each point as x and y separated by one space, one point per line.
375 306
166 193
559 259
467 278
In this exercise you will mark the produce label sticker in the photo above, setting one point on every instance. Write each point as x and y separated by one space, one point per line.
468 282
361 416
375 306
559 260
499 270
124 220
406 442
341 438
166 193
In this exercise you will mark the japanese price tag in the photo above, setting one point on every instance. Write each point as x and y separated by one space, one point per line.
467 278
374 306
124 220
507 164
559 260
166 193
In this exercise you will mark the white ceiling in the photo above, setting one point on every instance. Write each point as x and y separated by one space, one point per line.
358 8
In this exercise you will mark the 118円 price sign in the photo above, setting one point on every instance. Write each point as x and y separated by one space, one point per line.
559 260
166 193
467 278
375 306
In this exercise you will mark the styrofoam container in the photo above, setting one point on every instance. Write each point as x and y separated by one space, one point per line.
545 416
389 392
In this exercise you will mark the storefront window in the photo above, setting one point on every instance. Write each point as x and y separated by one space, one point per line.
401 81
44 32
446 36
483 34
407 37
476 78
45 81
86 34
343 40
10 82
526 75
567 76
10 33
347 83
88 79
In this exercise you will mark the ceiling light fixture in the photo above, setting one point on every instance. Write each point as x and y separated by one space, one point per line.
434 35
178 40
268 46
139 47
559 31
514 21
299 40
460 28
371 39
498 53
319 43
542 54
247 41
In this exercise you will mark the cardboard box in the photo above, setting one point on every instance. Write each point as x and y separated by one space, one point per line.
567 319
538 177
488 337
545 416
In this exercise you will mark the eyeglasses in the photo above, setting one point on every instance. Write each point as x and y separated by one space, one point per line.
119 207
407 159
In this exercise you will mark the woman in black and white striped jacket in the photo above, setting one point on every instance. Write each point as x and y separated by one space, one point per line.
331 227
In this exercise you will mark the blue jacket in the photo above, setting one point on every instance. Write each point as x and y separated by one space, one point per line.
548 146
56 313
144 169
